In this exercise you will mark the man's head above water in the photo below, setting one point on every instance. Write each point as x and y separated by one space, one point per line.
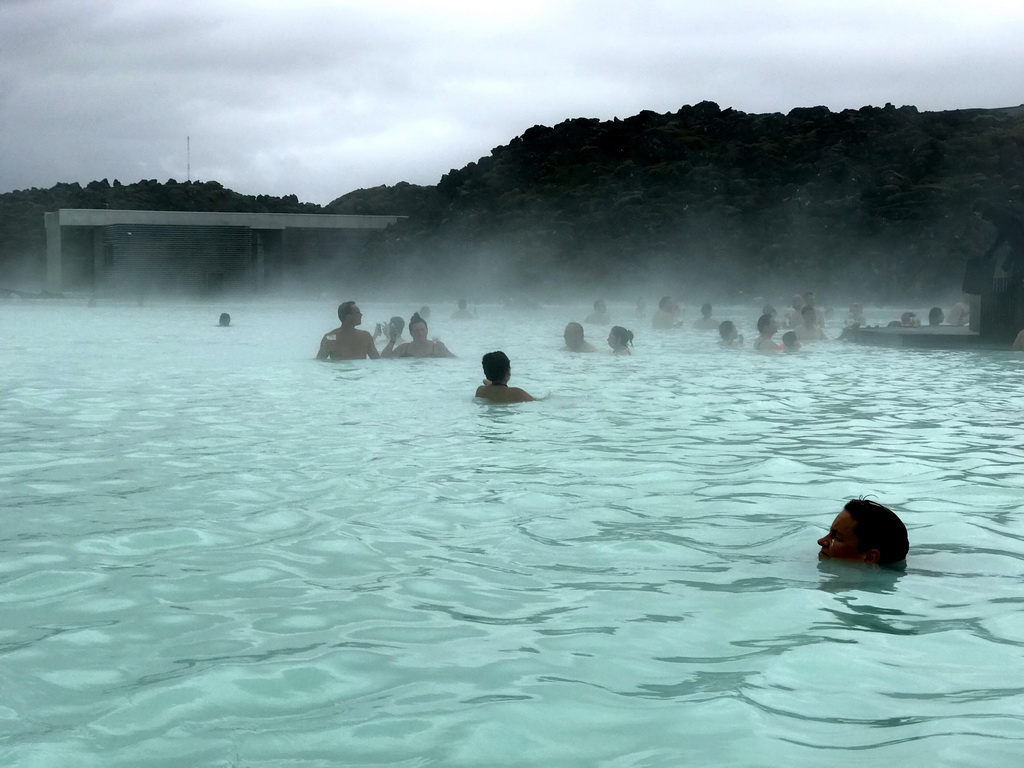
865 532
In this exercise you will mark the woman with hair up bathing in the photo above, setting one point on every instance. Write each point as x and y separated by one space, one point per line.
495 388
620 340
420 346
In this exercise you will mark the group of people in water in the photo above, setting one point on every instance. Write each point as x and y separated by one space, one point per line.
804 323
863 531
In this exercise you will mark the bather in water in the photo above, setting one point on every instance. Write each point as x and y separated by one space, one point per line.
574 341
420 346
620 340
498 370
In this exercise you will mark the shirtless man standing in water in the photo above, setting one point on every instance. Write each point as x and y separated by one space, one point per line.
347 342
498 370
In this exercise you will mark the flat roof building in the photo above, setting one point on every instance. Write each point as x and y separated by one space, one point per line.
117 251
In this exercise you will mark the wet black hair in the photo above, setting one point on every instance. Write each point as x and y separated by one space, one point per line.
622 334
225 318
935 316
705 309
398 324
345 309
727 327
789 339
878 527
764 323
496 365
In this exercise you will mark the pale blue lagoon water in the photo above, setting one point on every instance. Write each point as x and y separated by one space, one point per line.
216 551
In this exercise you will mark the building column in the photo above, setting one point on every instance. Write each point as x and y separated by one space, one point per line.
54 281
259 263
99 257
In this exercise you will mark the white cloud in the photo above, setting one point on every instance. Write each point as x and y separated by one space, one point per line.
318 98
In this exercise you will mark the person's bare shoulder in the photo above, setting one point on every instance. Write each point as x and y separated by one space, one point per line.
522 396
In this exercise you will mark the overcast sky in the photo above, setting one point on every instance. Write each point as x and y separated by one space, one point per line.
320 98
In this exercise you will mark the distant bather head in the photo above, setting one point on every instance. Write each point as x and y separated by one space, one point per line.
727 330
705 310
665 303
765 324
397 325
462 304
936 316
225 319
496 367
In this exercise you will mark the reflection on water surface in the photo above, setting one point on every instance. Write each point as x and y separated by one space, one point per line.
219 551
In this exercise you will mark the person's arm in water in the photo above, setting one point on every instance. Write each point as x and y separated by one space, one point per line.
389 350
371 348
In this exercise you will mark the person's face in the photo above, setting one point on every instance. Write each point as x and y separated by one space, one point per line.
355 316
841 543
611 341
418 331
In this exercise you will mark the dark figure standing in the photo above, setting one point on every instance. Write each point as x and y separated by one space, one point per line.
998 283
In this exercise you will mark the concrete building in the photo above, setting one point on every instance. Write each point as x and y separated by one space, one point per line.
110 251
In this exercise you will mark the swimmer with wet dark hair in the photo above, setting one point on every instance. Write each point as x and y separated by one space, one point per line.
498 370
574 341
225 320
790 343
730 336
620 340
936 316
865 532
766 328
